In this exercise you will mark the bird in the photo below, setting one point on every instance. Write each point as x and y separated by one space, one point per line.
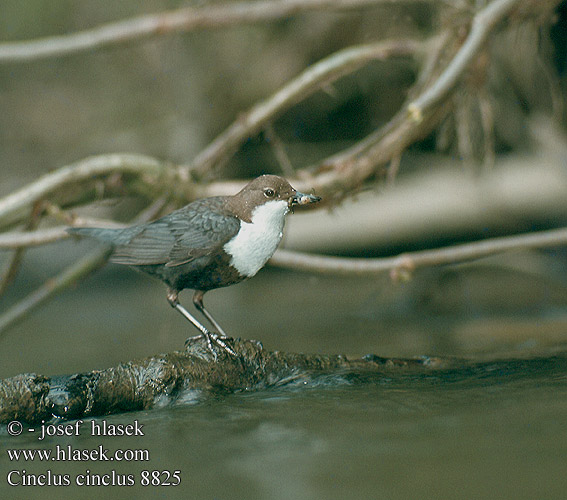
210 243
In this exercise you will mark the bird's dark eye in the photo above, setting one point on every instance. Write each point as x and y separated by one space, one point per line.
269 193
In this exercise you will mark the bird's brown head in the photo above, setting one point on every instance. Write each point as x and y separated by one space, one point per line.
265 189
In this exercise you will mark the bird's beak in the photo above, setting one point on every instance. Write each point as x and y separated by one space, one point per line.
303 199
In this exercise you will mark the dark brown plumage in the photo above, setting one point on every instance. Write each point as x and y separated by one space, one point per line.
210 243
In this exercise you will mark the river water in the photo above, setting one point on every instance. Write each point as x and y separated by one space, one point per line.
494 426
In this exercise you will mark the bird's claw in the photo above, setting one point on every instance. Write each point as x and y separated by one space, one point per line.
213 340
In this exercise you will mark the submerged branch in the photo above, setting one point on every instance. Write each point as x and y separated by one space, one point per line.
166 378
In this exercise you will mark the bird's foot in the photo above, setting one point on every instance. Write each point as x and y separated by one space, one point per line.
213 341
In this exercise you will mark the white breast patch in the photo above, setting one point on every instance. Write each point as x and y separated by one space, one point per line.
257 241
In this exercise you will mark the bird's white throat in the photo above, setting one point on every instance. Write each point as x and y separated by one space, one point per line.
257 241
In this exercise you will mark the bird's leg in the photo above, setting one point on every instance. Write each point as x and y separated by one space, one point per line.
198 301
172 298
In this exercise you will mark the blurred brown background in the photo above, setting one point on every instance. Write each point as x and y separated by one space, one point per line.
168 97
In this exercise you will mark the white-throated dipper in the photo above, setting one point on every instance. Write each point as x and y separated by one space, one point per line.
208 244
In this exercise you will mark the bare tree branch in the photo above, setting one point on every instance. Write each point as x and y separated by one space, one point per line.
63 185
66 184
482 26
166 23
312 79
413 260
339 173
32 238
291 259
69 276
333 176
403 263
348 169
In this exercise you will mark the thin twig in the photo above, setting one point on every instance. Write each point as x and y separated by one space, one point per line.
393 169
412 260
11 266
279 150
175 21
487 120
312 79
11 269
463 128
15 259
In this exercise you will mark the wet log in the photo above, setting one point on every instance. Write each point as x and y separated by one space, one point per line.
165 379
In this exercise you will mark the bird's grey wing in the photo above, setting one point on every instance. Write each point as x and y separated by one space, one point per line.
206 234
178 238
149 245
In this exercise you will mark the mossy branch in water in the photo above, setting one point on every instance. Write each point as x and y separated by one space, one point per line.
162 379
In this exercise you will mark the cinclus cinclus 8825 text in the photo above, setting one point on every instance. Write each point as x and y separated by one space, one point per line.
208 244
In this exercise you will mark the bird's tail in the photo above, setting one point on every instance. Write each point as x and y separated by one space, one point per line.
112 236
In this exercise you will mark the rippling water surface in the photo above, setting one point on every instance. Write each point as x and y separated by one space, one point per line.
493 427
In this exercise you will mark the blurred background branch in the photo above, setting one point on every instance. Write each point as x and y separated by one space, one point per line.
341 99
168 23
401 266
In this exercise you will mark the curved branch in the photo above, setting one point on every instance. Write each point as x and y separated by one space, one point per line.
482 25
348 169
338 173
312 79
166 23
17 205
